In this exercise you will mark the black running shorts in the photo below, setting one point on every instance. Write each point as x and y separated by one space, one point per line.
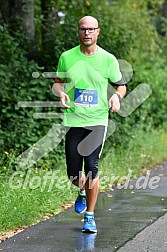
83 145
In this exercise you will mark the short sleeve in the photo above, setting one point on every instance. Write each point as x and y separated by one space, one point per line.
61 69
114 72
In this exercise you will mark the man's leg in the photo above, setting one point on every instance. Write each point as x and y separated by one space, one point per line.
93 142
92 188
76 147
74 163
80 182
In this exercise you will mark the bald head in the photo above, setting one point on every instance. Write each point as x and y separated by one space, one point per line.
89 20
88 31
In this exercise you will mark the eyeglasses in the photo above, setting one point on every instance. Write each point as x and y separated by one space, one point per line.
90 30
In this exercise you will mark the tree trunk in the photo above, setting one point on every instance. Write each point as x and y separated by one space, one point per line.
50 16
19 15
164 9
27 12
163 23
4 7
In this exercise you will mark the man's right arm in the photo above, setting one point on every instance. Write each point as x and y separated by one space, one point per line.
58 90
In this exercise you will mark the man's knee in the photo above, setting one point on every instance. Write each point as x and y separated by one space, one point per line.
73 177
91 172
91 167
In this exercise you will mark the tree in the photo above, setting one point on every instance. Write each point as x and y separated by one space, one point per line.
164 19
19 15
164 12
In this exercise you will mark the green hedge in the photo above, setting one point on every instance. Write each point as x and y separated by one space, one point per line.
127 30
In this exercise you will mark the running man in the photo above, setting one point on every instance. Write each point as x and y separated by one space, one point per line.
83 75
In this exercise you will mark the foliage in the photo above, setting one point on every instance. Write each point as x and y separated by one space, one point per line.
125 29
19 129
133 31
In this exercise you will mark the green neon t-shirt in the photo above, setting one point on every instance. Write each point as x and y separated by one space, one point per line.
86 83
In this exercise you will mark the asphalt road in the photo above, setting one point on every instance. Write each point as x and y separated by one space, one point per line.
152 239
128 219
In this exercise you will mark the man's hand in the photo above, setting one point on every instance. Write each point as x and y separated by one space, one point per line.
114 103
63 98
58 90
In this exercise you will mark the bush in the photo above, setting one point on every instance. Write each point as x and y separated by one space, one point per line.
125 29
19 129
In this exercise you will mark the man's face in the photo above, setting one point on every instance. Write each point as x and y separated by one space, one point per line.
88 31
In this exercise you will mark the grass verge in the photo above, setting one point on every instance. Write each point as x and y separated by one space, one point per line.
144 151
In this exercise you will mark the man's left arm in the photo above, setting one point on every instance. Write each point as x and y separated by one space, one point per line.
114 101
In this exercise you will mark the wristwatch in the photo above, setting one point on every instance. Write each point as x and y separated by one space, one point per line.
119 97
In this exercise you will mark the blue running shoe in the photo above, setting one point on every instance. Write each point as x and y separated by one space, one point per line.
80 203
89 224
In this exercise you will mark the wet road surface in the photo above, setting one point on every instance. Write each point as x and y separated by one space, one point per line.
152 239
121 217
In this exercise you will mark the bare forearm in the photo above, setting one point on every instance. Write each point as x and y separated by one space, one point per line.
58 88
114 101
121 90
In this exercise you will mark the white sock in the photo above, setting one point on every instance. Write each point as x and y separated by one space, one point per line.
91 213
82 192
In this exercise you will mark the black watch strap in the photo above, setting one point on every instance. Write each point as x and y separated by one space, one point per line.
119 97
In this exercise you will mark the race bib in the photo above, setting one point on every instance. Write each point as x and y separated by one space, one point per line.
86 98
